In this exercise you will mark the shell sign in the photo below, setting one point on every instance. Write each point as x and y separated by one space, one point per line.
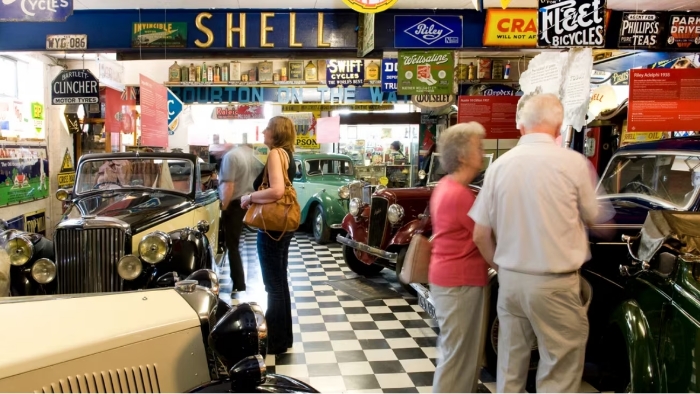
370 6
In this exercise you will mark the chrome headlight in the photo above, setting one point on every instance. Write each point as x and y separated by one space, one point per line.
344 192
44 271
154 247
355 204
20 249
395 213
129 267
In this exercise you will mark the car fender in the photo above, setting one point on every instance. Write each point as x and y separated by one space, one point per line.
404 235
645 372
333 210
356 228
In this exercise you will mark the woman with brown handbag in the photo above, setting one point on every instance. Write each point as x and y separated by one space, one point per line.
272 205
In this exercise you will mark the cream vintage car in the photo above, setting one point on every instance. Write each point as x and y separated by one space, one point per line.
171 340
136 220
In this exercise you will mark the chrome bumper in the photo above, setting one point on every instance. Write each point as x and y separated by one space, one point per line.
336 226
367 249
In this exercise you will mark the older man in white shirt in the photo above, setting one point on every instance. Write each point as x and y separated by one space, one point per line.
530 220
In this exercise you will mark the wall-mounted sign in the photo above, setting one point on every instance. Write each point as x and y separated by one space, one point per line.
426 72
640 30
38 116
683 31
365 42
390 74
345 72
370 6
66 42
510 28
66 175
35 11
175 107
435 31
495 113
491 90
24 174
239 112
432 102
621 78
557 28
305 124
75 87
159 35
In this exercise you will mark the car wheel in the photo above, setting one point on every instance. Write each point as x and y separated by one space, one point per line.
399 266
321 231
358 266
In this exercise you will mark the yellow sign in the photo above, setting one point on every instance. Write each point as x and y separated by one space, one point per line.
67 164
384 181
66 180
511 28
630 137
505 4
370 6
307 142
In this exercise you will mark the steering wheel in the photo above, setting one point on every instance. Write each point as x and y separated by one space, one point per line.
97 186
639 187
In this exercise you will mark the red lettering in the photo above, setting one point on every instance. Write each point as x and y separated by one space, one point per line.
518 25
531 27
502 25
507 25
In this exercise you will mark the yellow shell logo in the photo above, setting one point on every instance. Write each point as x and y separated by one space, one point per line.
370 6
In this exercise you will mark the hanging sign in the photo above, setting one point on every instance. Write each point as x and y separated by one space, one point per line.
66 175
426 72
432 102
571 23
345 72
365 41
159 35
35 11
683 31
75 87
175 108
435 31
239 111
510 28
640 30
390 74
370 6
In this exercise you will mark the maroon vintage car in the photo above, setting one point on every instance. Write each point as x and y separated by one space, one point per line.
379 230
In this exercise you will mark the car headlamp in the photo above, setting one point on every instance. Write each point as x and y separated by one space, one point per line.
344 192
395 213
154 247
129 267
354 207
44 271
20 249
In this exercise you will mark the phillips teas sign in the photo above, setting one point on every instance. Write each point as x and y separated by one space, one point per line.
571 23
640 30
75 87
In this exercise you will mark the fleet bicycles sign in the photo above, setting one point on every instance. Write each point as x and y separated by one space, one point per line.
35 10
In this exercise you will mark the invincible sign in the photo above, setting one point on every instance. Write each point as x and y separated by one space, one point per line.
75 87
571 23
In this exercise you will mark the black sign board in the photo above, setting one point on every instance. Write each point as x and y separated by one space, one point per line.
75 87
640 30
345 72
620 78
571 23
683 31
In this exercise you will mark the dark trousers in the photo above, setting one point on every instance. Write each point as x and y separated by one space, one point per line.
274 260
233 226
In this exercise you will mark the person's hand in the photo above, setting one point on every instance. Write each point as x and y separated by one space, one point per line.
245 201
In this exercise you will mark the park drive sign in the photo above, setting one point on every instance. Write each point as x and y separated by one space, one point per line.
75 87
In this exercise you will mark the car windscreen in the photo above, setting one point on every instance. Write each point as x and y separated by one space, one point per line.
328 167
173 175
666 178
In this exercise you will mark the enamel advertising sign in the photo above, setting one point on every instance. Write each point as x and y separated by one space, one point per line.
370 6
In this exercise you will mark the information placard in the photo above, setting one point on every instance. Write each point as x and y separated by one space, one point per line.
154 113
495 113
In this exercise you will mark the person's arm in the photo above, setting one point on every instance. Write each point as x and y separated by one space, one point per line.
275 191
483 238
587 198
480 214
227 189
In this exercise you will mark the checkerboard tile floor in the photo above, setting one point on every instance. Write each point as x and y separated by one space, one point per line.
342 344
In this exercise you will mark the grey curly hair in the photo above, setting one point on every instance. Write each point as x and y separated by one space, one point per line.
454 144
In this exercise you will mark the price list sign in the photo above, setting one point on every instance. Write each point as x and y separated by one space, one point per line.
664 100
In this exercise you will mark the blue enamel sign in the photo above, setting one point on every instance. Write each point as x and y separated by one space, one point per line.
175 107
35 10
390 74
435 31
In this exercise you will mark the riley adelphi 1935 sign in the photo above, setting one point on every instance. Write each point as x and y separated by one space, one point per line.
571 23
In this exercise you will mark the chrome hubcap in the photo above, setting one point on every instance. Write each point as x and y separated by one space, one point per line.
319 224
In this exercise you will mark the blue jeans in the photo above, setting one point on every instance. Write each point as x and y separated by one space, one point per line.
274 259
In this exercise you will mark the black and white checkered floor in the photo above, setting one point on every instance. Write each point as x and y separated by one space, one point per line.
341 344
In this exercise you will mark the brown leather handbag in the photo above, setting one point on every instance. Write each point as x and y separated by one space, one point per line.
282 215
417 260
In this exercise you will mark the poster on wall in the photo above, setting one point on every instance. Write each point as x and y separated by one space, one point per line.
556 29
423 72
33 222
305 123
24 174
238 111
683 31
159 35
66 175
640 30
154 113
345 72
664 100
495 113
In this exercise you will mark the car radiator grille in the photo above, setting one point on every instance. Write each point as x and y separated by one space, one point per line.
377 222
86 260
137 379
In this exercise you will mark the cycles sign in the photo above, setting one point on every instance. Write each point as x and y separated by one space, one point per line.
571 23
35 10
75 87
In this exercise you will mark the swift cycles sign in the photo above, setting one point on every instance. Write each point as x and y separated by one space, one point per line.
35 10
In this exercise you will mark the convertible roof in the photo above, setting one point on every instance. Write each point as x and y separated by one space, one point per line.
681 144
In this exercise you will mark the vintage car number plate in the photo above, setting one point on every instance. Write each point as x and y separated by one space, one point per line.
427 306
66 42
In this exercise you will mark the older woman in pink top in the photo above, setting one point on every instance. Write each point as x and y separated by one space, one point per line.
458 274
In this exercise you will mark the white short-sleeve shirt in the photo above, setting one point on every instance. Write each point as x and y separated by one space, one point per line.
536 198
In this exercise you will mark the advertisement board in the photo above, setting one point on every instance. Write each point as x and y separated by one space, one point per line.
159 35
640 30
683 31
154 113
434 31
495 113
239 111
24 172
345 72
556 29
664 100
390 74
35 11
423 72
510 28
305 123
75 87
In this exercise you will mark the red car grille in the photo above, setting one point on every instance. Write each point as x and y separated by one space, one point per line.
377 222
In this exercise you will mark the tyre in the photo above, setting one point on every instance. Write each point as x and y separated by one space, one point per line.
399 266
358 266
321 230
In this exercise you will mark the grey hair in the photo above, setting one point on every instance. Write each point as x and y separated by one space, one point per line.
454 144
541 110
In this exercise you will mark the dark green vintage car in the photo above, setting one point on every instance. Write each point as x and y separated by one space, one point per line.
323 183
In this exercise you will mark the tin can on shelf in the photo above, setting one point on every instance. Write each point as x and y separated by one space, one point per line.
265 72
252 75
275 77
234 72
198 76
244 78
224 72
283 74
210 74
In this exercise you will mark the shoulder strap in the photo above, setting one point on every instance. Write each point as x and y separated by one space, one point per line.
285 167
